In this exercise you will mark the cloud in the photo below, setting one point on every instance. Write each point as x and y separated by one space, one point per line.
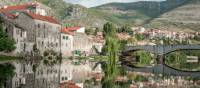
93 3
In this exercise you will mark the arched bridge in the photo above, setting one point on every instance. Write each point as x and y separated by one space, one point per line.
161 49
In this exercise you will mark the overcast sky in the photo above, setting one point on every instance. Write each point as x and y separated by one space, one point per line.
93 3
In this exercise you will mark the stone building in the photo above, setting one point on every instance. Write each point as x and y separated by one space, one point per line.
44 31
82 43
66 42
32 28
15 31
43 77
74 41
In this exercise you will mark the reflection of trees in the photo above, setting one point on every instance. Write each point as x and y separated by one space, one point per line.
6 73
51 57
144 57
178 60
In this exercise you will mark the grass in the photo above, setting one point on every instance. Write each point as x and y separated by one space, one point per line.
8 58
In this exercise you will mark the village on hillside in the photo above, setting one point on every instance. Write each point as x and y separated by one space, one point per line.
36 32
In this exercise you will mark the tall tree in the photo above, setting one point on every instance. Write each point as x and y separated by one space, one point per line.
109 30
111 49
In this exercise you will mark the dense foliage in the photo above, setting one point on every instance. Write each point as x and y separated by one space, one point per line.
6 72
6 43
51 57
179 59
111 49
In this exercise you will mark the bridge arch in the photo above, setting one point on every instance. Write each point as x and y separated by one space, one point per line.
173 48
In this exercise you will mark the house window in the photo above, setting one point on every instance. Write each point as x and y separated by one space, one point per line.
56 44
17 32
38 25
42 43
66 37
66 78
44 26
63 78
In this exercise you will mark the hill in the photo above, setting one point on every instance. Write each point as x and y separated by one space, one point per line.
139 13
169 14
186 17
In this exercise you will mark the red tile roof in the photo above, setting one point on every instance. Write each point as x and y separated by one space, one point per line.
69 30
10 15
72 28
68 84
65 31
16 8
43 18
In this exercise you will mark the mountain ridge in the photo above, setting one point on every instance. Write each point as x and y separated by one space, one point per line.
143 13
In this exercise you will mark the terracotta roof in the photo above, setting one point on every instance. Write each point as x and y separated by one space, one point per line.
72 28
43 18
65 31
69 84
10 15
69 30
16 8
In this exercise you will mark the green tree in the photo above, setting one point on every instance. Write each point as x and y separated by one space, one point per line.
139 37
126 28
109 30
89 31
6 43
111 49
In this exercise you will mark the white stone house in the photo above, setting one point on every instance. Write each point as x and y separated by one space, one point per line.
66 72
74 41
66 42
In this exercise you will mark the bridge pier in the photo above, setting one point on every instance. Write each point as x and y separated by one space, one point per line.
160 59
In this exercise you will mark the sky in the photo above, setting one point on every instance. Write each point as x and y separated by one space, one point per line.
93 3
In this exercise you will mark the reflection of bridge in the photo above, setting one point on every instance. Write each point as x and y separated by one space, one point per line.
165 70
160 51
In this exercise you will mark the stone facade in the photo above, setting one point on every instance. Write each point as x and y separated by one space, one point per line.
66 44
82 42
43 77
44 34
